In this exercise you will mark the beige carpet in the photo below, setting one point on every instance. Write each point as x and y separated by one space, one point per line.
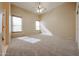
0 44
46 46
0 48
0 51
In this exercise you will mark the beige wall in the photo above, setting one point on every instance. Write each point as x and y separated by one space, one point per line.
0 5
61 20
28 21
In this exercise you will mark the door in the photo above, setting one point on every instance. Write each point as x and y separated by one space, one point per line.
1 32
77 24
78 27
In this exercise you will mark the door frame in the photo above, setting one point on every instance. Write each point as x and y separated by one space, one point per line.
77 24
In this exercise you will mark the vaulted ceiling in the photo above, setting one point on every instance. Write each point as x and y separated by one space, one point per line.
31 6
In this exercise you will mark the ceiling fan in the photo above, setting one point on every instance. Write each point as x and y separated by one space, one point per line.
40 8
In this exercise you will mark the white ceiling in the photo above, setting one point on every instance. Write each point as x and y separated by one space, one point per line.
31 6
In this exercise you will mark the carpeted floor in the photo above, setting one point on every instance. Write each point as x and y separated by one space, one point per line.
0 44
43 45
0 51
0 48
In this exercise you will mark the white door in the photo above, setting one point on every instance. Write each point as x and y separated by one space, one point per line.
78 29
77 24
0 27
1 32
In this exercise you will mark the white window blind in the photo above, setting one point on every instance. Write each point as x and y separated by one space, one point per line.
16 24
37 25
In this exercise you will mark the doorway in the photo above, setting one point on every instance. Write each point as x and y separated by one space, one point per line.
1 32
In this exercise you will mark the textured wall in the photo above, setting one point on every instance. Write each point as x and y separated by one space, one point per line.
61 20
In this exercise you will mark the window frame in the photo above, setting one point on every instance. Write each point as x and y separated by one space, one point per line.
37 25
12 24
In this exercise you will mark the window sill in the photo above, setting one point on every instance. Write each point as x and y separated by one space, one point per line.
17 32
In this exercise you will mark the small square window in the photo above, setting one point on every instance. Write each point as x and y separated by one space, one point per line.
16 24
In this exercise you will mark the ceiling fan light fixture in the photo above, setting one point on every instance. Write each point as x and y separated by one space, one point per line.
39 6
40 10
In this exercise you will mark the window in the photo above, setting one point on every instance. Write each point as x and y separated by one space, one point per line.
37 25
16 24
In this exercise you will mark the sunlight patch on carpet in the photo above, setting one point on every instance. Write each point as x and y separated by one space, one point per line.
29 39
